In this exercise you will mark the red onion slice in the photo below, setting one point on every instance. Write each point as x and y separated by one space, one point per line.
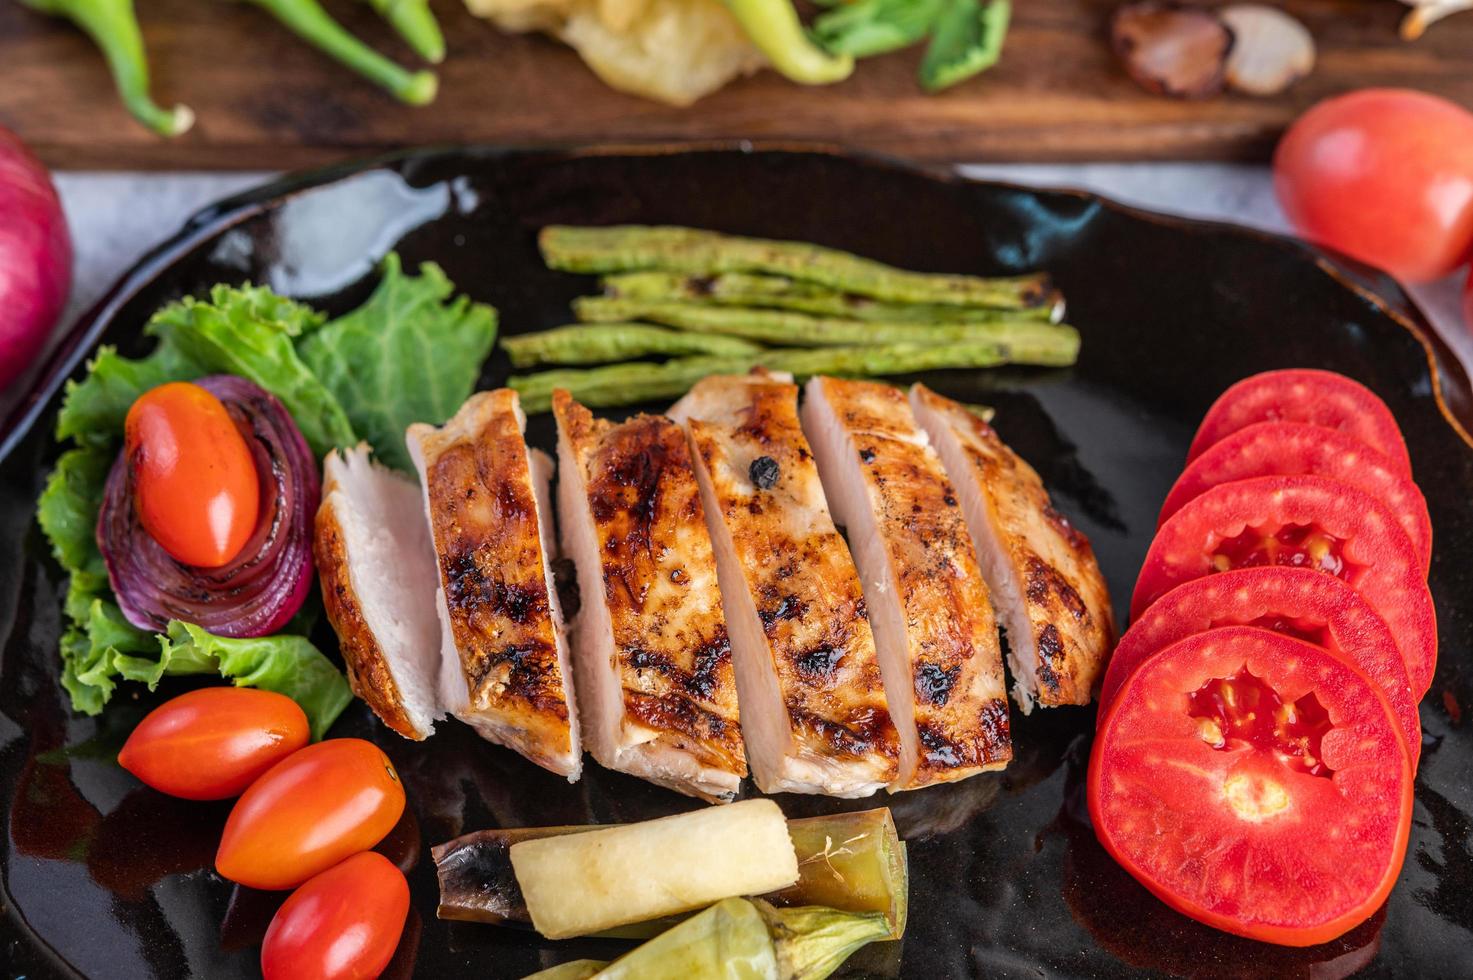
264 586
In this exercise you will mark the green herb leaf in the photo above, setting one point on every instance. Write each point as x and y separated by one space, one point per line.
248 331
409 354
967 39
866 28
286 664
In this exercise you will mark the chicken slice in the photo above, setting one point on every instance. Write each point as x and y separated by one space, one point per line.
933 624
812 701
504 669
655 679
1045 582
377 567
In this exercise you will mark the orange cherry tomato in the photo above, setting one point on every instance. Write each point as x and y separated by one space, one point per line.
194 481
344 923
212 743
311 810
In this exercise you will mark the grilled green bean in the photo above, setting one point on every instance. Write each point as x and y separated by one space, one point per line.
601 343
629 248
1025 341
638 381
777 292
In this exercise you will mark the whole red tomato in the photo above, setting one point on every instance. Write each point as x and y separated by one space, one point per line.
212 743
1385 176
310 811
344 923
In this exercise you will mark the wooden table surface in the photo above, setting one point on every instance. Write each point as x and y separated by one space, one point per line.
265 100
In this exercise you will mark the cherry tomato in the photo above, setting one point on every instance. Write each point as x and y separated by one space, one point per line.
1255 783
311 810
342 924
212 743
1291 449
194 480
1305 522
1323 398
1385 176
1297 602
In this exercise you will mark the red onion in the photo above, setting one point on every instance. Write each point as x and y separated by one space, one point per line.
264 586
35 257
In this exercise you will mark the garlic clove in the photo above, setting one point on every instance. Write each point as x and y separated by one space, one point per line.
1271 50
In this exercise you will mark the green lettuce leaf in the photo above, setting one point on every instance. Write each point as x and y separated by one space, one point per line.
284 663
94 408
248 331
67 511
411 353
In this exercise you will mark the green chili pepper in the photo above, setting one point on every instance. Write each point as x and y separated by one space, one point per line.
113 27
311 23
773 26
416 24
865 28
967 39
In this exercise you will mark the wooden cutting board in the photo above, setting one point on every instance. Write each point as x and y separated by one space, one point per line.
265 100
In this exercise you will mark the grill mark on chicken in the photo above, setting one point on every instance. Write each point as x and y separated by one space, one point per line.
861 732
934 682
1043 579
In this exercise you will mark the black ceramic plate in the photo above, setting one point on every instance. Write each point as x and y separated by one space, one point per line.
109 879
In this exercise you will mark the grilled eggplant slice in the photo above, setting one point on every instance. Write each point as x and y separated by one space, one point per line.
932 619
377 566
1041 570
505 667
650 647
813 708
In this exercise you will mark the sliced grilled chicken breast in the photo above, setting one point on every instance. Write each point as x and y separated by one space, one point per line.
1041 570
933 624
655 683
811 697
505 668
377 567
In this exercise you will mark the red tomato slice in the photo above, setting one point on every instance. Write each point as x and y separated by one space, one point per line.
1301 521
212 743
1256 783
1297 602
1293 448
1323 398
342 924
